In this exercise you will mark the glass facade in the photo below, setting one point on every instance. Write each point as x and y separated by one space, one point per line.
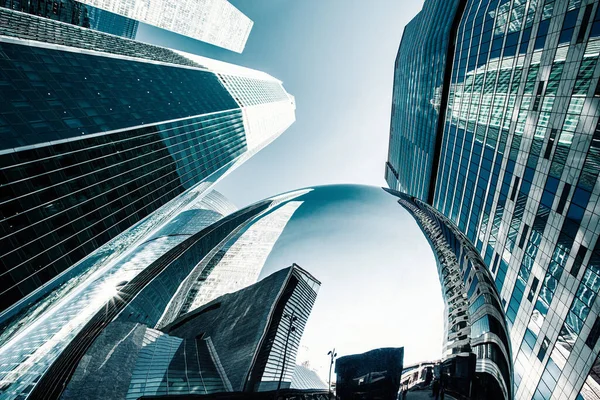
216 22
82 298
417 97
29 27
275 363
95 94
91 143
240 261
518 174
306 378
105 21
76 13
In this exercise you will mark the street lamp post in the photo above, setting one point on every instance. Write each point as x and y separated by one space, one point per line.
291 328
332 354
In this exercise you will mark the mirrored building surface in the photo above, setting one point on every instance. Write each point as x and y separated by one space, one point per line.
476 355
32 339
518 174
133 320
235 343
98 132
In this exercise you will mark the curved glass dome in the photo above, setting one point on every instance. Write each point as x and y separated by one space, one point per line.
255 301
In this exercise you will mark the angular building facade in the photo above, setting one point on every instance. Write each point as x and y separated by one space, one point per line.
476 355
152 282
98 132
213 349
518 163
216 22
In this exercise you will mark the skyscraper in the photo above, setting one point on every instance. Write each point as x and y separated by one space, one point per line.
76 13
518 161
98 132
212 21
417 97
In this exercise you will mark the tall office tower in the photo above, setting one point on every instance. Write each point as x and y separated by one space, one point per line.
97 132
148 284
216 22
476 341
76 13
519 159
417 97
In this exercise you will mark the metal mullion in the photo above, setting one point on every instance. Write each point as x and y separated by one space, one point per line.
88 187
102 134
4 273
99 158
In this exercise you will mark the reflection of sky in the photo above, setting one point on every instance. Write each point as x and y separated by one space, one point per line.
379 282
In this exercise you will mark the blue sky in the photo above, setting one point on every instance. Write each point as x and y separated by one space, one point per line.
337 58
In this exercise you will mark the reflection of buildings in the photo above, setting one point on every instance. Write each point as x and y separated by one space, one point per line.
419 376
476 357
147 283
240 261
374 374
231 344
127 128
39 334
518 160
212 21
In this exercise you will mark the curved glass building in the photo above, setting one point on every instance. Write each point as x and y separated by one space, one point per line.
164 275
182 312
476 338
